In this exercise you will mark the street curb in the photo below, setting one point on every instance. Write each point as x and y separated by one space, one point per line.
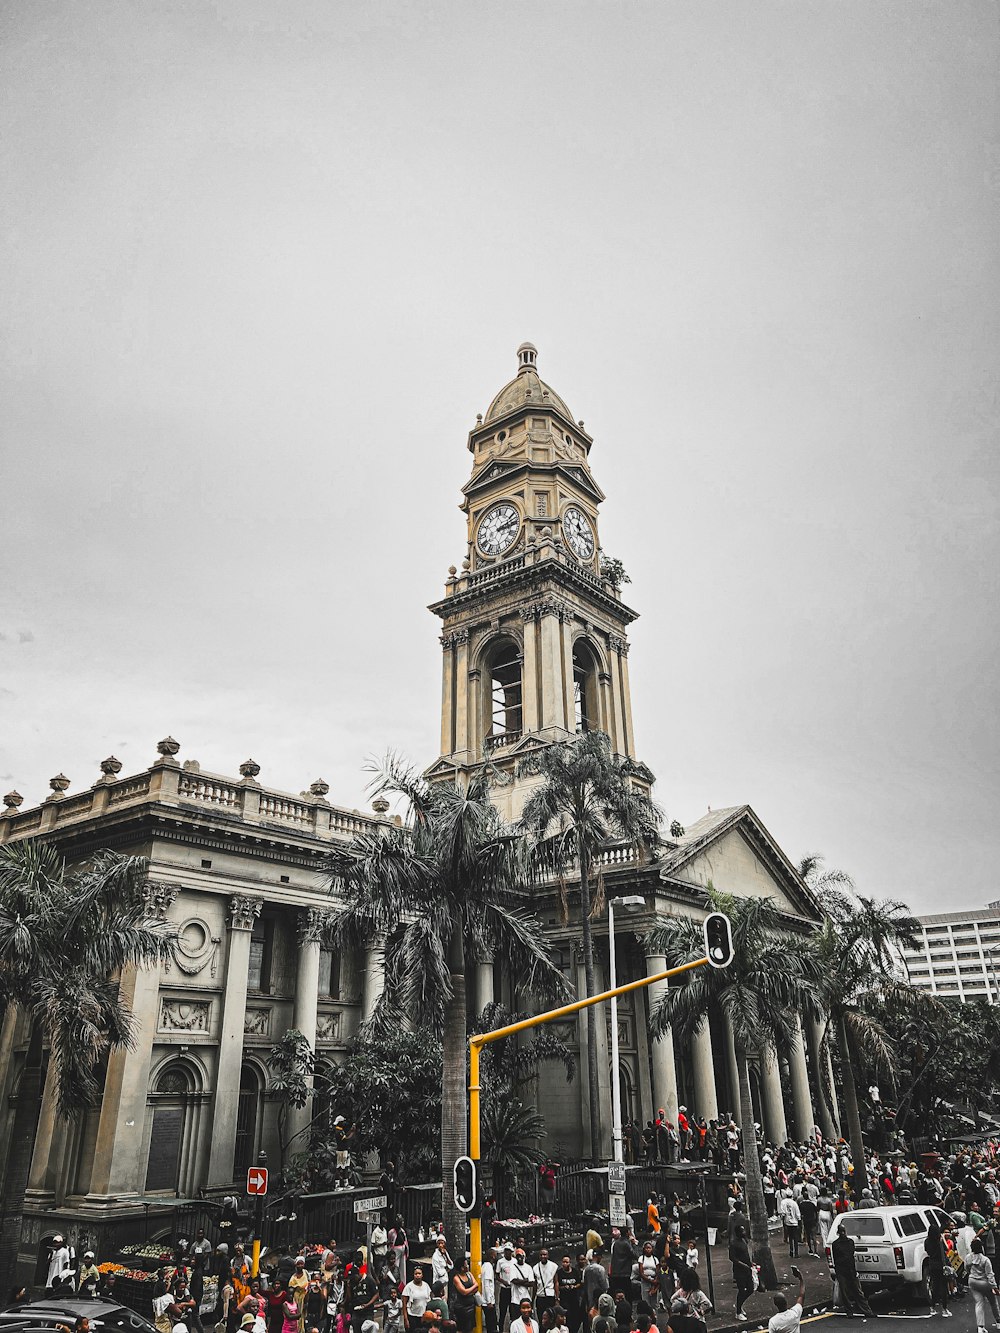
755 1324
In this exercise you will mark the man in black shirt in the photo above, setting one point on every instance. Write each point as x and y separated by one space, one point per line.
623 1256
364 1294
569 1292
845 1268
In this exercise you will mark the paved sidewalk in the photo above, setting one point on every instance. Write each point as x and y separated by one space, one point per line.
760 1306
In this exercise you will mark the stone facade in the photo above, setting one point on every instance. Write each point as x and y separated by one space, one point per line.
535 648
236 867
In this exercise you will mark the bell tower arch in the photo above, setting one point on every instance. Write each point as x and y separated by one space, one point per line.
534 639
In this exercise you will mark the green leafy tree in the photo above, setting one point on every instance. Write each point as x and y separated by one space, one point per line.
290 1063
613 571
505 1066
451 883
760 994
70 941
586 800
858 951
389 1087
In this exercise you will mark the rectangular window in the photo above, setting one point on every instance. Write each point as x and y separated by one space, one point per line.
259 970
329 974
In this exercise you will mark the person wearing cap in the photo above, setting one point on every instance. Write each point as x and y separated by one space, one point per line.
90 1277
442 1264
60 1261
522 1282
505 1273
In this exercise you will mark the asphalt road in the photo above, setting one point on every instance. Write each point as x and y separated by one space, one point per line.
893 1316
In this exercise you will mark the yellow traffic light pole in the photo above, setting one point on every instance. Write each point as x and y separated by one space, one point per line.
481 1039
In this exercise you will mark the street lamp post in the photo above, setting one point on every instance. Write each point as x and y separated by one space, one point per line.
633 900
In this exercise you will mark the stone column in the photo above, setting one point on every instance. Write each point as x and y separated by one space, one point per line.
529 672
553 712
775 1130
447 695
484 983
601 1016
243 912
626 700
582 1040
828 1121
50 1145
119 1169
802 1108
373 981
615 646
461 641
568 691
310 932
706 1100
664 1069
733 1069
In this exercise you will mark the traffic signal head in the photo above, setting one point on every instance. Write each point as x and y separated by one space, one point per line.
464 1174
718 940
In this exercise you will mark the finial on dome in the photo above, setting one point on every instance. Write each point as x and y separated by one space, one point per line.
527 358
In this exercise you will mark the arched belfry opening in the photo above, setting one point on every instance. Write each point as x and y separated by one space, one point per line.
504 692
586 698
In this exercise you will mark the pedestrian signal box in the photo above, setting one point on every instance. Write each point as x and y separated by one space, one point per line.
718 940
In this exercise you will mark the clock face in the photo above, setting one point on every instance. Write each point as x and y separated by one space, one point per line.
579 533
498 529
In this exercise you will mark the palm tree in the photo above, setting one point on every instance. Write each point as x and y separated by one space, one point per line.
760 994
511 1132
452 881
586 800
66 936
858 952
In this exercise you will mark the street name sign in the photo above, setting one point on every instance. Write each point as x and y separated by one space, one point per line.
375 1204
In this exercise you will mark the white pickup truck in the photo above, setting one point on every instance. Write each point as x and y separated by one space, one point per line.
889 1245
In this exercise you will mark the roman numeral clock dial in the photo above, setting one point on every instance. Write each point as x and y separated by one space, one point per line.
498 529
578 533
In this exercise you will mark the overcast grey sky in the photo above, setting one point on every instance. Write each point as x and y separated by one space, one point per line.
264 262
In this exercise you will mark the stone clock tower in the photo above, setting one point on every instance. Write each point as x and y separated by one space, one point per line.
534 639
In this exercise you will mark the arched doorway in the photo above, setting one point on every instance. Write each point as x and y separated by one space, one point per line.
247 1120
176 1148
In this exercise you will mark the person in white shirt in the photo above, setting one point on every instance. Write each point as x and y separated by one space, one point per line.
788 1318
506 1270
791 1218
524 1323
416 1294
545 1283
522 1281
442 1264
488 1290
691 1255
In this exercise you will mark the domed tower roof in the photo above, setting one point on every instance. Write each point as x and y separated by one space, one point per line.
526 387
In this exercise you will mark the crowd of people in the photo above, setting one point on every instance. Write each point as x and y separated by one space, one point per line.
646 1278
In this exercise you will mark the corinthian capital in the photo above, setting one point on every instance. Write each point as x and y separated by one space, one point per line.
243 911
312 925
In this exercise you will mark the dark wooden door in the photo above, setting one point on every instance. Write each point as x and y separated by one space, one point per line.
164 1162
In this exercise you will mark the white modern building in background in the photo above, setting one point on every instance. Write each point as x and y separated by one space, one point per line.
957 954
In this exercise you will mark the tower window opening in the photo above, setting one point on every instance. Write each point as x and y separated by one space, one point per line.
585 689
505 692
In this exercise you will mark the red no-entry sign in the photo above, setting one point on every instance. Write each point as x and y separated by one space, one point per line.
257 1180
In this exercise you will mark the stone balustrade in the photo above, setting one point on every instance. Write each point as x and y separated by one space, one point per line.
186 786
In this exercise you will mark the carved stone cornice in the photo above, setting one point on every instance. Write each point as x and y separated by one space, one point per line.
552 607
243 911
618 645
529 612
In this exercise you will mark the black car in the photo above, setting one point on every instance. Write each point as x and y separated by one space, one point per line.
61 1310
